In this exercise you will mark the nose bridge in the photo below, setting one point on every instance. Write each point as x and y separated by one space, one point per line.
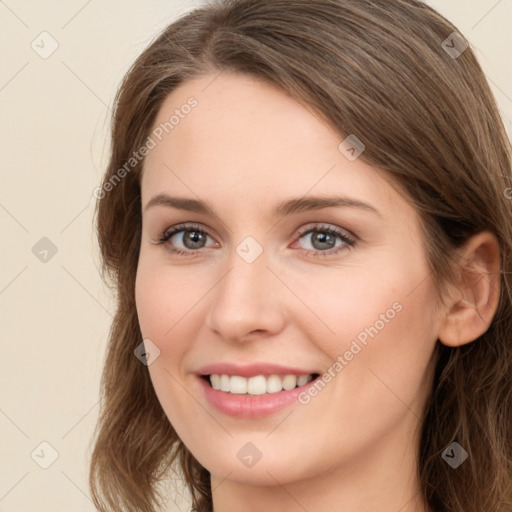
245 300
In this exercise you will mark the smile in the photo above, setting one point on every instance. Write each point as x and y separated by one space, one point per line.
259 384
254 397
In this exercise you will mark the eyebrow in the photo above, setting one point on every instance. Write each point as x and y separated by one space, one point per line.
288 207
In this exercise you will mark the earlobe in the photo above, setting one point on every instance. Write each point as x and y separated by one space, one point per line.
471 309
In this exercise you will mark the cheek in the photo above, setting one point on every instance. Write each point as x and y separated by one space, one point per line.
392 375
164 308
152 301
384 330
164 298
369 303
170 307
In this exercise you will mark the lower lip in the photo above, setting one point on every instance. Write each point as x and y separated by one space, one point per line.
251 406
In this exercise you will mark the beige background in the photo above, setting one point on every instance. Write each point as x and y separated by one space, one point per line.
55 314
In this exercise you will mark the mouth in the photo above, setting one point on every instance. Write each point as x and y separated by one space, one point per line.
257 385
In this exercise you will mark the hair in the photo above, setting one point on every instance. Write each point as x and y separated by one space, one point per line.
376 69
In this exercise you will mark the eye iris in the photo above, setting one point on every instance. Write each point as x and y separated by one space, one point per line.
194 237
321 237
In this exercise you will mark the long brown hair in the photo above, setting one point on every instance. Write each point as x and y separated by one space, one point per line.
379 69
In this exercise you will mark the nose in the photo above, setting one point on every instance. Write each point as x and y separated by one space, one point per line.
248 302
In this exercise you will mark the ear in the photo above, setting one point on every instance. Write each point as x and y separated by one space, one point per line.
473 303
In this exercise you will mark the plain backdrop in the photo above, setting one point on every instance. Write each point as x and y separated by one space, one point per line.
55 311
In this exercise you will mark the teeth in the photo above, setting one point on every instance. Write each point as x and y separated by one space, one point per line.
289 382
215 381
224 383
238 385
303 379
257 385
274 384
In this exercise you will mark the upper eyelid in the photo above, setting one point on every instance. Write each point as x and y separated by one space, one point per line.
318 226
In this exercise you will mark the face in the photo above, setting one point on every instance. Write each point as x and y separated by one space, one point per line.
266 274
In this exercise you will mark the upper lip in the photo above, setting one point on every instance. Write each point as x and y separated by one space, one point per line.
251 370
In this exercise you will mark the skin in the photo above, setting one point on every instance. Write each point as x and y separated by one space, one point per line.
246 147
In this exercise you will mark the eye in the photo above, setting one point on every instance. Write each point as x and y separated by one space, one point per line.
193 237
322 239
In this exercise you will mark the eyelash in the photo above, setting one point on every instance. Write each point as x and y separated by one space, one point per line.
169 233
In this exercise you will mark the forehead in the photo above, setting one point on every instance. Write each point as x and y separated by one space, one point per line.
247 141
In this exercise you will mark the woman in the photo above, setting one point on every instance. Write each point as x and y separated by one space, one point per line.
307 218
